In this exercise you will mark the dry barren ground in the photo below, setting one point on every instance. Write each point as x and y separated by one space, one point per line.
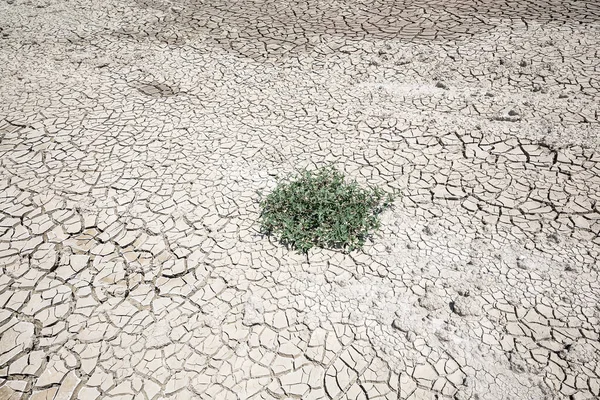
135 137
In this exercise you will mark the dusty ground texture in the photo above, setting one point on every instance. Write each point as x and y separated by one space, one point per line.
135 137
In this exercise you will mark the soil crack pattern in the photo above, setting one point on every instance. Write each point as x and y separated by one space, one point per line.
138 137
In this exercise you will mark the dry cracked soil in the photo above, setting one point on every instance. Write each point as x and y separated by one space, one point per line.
136 138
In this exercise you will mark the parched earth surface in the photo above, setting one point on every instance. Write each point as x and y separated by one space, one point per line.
138 137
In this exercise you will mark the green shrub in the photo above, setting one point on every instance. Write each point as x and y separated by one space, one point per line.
320 209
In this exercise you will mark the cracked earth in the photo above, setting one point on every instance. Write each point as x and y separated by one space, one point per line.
137 138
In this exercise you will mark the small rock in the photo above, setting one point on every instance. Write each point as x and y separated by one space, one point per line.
433 300
522 262
443 335
242 350
253 312
554 238
581 352
408 326
570 268
399 324
466 306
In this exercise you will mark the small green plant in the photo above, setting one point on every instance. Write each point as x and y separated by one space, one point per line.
321 209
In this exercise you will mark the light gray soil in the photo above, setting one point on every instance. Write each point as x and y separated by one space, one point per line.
136 136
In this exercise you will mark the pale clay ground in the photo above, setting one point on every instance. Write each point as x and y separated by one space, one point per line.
135 137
